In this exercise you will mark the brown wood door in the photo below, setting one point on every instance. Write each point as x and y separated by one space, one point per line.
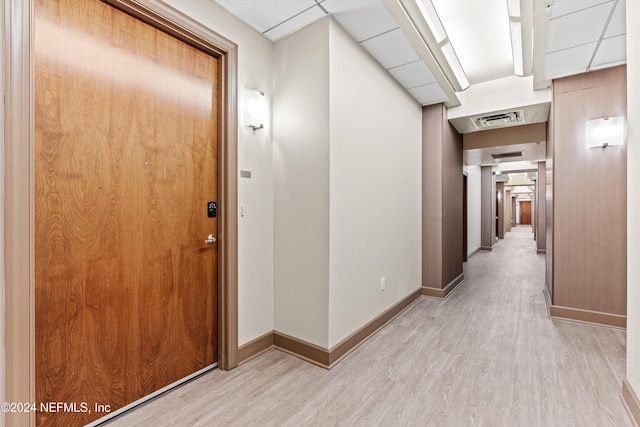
125 164
525 212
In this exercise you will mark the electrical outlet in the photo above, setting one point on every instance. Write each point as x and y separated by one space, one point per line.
382 284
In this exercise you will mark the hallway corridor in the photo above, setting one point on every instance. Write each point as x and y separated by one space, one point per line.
488 355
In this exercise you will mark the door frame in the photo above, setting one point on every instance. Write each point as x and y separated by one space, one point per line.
19 369
465 218
530 212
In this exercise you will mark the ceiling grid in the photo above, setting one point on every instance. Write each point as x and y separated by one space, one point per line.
571 37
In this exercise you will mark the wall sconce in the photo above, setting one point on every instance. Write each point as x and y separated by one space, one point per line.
256 109
605 132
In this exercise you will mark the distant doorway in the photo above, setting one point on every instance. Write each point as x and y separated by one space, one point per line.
525 212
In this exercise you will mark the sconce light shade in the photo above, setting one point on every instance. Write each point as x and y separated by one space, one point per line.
605 132
256 110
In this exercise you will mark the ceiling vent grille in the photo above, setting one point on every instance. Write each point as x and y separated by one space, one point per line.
499 120
507 155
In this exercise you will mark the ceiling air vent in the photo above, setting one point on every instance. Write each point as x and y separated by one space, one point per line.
499 120
507 155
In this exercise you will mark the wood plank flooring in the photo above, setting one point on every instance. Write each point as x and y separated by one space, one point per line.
487 356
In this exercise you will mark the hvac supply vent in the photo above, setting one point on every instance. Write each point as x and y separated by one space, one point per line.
499 120
507 155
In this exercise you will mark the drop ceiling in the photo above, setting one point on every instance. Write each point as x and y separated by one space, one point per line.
584 35
571 36
367 21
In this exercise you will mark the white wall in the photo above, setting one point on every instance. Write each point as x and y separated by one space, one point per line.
255 229
474 202
633 195
375 188
301 183
347 186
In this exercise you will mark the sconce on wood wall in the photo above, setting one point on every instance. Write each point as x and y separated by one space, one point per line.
605 132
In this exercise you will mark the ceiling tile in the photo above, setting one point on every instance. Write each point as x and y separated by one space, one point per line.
564 7
617 24
611 52
569 61
362 19
578 28
413 74
295 23
391 49
428 94
263 15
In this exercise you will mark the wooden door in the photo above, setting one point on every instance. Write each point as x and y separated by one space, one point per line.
525 212
125 165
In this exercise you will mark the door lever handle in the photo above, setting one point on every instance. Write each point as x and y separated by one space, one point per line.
211 239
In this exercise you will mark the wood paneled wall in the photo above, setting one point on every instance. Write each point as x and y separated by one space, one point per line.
432 207
487 208
442 193
507 210
589 196
500 209
524 134
452 189
549 202
541 218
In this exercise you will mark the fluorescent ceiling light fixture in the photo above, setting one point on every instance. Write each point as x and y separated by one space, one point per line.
433 20
516 47
456 68
452 68
605 132
515 27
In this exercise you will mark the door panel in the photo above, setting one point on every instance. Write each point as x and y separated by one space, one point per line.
525 212
125 163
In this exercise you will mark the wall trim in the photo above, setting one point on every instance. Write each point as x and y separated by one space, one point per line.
19 324
353 341
485 248
541 251
588 316
442 293
631 403
328 358
301 349
255 348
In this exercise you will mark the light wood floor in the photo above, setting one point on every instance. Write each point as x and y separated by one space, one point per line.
486 356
